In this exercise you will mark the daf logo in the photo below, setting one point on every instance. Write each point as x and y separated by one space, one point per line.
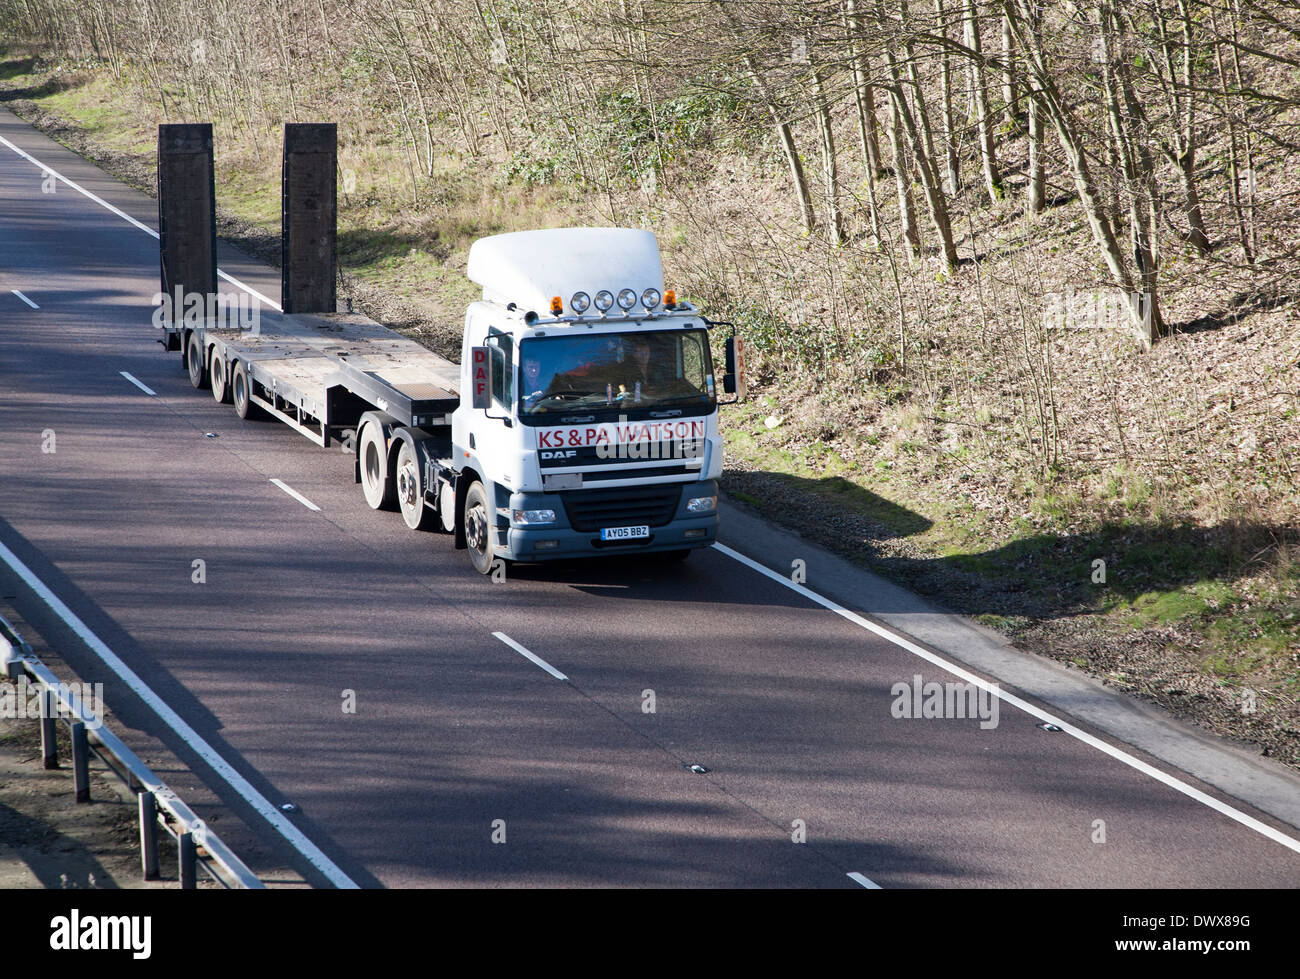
558 453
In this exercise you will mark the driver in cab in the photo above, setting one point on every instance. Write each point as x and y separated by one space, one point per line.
636 369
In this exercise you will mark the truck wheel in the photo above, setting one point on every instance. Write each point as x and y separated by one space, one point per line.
375 484
410 488
478 528
194 362
241 392
217 378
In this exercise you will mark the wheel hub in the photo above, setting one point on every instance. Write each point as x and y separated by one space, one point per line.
475 529
406 485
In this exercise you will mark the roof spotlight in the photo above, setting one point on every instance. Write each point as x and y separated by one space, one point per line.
626 299
604 300
650 298
580 302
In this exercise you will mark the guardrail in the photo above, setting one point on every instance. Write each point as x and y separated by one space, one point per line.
159 806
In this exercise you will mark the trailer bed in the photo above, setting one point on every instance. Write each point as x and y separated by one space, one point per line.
318 371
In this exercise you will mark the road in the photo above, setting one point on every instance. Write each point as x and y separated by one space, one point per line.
457 737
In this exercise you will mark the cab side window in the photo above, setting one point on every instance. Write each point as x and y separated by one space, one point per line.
502 370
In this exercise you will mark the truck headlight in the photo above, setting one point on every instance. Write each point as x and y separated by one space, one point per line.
533 516
702 504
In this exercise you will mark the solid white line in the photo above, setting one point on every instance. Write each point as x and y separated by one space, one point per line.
866 882
126 217
1177 784
24 299
530 656
173 720
143 387
297 496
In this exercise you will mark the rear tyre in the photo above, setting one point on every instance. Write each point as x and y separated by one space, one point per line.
241 392
410 488
375 485
217 379
477 520
194 362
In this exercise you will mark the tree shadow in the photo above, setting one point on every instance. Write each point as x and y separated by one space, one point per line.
54 859
1237 307
1040 575
18 67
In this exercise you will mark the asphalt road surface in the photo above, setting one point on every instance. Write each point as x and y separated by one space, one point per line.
466 763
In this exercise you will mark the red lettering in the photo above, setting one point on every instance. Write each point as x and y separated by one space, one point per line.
591 436
575 436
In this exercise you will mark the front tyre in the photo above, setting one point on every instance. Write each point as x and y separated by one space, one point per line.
477 521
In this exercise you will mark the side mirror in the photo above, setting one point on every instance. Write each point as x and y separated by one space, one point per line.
733 382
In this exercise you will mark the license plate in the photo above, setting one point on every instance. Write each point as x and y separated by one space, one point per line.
624 533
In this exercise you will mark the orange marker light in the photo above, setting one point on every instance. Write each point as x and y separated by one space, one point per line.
557 305
670 299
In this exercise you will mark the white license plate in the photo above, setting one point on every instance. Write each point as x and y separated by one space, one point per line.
624 533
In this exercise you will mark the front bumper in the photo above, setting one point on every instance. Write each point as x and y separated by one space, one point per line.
558 540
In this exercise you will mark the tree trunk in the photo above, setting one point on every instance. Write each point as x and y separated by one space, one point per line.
1019 13
952 165
903 178
925 164
1010 90
979 93
863 92
830 167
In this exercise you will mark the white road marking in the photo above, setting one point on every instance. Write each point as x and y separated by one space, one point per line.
530 656
24 299
297 496
173 720
866 882
126 217
143 387
1177 784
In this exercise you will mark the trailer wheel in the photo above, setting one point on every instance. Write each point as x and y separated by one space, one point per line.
194 362
410 488
241 392
217 378
478 528
375 484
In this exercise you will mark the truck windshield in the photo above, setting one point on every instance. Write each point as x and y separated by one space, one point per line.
670 368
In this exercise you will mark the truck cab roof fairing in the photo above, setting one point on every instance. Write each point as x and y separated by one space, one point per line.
529 267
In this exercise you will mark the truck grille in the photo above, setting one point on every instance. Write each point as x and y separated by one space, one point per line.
630 506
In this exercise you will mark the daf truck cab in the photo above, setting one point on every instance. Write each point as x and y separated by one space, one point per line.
588 420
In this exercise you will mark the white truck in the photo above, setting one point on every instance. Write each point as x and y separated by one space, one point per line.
582 420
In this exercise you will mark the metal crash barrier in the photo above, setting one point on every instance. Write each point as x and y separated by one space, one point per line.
159 807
